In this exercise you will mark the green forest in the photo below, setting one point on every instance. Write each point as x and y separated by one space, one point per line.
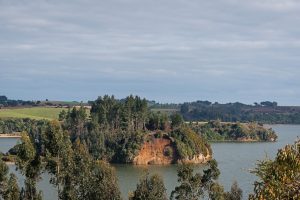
265 112
243 132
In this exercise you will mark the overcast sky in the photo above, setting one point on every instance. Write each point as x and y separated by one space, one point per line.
167 50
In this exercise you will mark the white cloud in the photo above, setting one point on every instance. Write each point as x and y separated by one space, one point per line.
202 44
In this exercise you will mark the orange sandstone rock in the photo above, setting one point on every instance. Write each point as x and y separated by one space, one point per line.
160 151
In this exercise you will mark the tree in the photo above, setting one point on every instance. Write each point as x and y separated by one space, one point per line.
279 178
62 115
3 176
176 120
59 155
9 189
191 187
216 192
12 192
102 182
30 165
235 193
93 180
150 188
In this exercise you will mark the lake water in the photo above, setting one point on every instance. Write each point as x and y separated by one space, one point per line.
234 160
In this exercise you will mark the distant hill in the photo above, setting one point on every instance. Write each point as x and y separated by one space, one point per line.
264 112
5 102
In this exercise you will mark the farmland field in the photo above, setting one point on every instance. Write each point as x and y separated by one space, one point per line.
32 113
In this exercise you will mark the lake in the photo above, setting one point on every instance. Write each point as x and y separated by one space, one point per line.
234 160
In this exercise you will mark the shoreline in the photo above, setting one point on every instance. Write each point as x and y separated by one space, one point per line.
10 163
239 141
9 136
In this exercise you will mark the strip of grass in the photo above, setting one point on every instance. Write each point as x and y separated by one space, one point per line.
32 113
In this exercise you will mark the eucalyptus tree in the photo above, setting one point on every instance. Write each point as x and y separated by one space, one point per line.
194 186
59 159
3 176
30 165
149 188
12 191
279 178
94 180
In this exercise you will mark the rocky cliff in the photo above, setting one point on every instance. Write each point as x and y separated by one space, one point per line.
161 151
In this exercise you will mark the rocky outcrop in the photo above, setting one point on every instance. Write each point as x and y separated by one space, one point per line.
197 159
158 151
161 151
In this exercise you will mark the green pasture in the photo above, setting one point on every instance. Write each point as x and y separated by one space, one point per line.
49 113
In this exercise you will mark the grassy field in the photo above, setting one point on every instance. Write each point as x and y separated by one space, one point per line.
33 113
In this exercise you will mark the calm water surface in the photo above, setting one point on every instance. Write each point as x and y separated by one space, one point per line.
234 159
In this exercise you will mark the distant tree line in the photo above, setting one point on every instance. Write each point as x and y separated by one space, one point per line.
12 125
5 102
264 112
220 131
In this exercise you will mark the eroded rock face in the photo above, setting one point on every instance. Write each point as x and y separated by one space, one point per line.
157 151
160 151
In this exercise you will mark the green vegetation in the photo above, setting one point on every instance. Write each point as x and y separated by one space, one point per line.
115 130
118 128
19 125
194 186
266 112
37 113
74 172
9 189
279 178
188 143
5 102
218 131
149 188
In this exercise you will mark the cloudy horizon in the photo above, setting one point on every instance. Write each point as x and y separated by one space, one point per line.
171 51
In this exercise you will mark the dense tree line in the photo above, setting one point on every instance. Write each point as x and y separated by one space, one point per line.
219 131
265 112
13 125
5 102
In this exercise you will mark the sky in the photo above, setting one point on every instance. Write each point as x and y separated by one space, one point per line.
167 50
